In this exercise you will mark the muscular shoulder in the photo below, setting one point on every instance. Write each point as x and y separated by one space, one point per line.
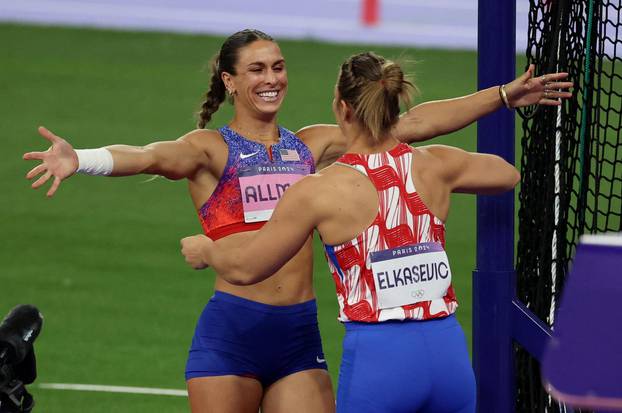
439 153
207 141
201 137
441 161
308 187
317 137
326 143
310 194
316 131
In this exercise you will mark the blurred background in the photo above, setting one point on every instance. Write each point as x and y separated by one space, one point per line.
441 23
101 258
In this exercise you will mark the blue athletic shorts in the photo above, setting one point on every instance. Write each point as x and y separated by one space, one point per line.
406 366
235 336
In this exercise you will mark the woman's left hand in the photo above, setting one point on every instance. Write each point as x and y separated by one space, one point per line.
547 89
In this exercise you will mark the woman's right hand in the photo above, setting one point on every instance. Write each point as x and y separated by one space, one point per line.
59 161
193 249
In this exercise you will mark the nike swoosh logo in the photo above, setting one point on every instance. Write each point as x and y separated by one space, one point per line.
319 360
248 155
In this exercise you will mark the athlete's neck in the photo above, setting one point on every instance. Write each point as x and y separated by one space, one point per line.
262 131
360 141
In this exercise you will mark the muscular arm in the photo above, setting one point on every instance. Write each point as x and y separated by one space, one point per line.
294 218
430 119
173 159
422 122
469 172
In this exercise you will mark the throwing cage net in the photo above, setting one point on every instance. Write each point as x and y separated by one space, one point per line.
571 159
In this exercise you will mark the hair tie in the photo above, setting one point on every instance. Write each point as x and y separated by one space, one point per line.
381 82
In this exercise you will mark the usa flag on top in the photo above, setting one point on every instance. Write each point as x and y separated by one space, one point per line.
289 155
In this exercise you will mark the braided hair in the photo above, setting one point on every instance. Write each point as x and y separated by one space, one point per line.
225 61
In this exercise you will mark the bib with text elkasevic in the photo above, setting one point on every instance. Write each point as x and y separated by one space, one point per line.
261 186
410 274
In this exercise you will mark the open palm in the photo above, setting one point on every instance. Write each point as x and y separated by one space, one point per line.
59 161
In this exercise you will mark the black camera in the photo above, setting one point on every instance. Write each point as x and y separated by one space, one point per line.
18 332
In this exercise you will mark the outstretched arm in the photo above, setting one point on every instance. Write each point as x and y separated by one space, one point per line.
172 159
293 220
472 172
435 118
440 117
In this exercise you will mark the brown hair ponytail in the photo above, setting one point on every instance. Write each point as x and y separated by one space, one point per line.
374 87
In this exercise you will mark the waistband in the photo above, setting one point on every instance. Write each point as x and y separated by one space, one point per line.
304 307
422 325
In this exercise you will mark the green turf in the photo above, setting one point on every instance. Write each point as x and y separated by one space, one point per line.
101 259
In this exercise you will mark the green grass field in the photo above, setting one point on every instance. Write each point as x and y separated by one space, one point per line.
101 259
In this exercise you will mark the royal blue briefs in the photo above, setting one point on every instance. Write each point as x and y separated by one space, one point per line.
235 336
406 367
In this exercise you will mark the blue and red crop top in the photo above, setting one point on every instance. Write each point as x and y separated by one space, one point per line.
223 213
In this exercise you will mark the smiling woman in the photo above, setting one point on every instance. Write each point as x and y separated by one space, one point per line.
239 346
255 74
385 246
257 346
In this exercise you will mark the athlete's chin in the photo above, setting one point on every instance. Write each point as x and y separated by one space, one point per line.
269 108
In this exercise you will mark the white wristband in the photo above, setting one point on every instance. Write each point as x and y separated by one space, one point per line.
95 161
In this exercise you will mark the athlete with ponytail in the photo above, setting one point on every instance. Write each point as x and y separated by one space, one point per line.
380 210
256 346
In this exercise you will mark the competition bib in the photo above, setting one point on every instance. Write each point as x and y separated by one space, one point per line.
410 274
261 186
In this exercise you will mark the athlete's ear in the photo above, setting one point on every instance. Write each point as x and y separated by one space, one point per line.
346 110
227 79
338 109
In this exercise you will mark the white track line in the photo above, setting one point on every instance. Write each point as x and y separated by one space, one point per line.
113 389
